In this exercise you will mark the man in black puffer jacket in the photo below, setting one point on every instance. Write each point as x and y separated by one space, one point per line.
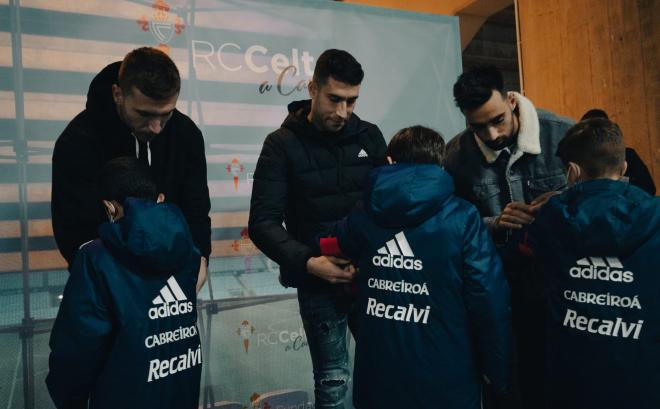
310 173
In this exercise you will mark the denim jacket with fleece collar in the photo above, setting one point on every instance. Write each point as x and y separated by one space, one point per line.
533 167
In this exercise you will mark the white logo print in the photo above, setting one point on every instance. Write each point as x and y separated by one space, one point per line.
171 301
599 268
397 253
161 368
362 154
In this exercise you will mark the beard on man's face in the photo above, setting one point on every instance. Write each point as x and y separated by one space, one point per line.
501 142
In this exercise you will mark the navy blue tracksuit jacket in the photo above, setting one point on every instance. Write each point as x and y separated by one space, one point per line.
599 244
126 332
433 304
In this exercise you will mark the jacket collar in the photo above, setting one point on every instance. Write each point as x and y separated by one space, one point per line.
297 122
528 131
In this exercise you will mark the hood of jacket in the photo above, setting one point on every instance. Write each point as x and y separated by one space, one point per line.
604 217
153 235
403 195
297 122
99 96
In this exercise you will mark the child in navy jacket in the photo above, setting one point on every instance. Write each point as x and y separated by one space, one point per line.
432 304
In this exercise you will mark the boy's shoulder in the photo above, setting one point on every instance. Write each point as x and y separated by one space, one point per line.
94 252
461 210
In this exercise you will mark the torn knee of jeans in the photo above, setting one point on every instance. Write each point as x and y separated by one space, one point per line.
333 382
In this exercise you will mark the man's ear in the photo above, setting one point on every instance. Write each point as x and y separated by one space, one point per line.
573 173
160 198
512 101
313 89
624 168
117 95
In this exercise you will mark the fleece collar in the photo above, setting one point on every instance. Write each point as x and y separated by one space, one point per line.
528 132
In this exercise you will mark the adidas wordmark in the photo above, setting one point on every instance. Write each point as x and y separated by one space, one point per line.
171 301
599 268
397 253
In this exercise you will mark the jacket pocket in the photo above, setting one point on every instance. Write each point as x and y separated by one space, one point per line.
535 187
488 198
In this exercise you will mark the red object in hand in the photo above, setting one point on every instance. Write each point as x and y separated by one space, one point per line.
330 247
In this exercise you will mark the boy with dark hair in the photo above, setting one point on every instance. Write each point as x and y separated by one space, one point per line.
126 333
433 302
598 242
593 150
637 172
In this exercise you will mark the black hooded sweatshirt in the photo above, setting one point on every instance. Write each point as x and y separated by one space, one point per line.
308 179
97 135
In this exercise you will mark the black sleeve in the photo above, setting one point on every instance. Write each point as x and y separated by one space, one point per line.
349 239
76 208
380 147
195 202
267 209
638 172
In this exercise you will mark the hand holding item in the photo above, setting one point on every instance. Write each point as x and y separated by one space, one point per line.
332 269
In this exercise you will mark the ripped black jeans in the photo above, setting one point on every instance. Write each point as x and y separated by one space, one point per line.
326 317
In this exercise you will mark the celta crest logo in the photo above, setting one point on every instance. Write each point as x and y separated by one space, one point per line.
245 244
245 331
235 167
163 24
396 253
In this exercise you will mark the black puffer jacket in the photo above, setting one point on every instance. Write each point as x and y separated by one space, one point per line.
97 135
308 179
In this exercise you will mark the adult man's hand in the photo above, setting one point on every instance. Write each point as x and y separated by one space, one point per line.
330 269
543 199
203 274
514 215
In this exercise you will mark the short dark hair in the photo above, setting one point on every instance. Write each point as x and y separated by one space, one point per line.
594 144
151 71
417 144
594 113
474 88
340 65
126 177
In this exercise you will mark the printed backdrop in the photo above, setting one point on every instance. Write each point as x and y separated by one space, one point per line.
242 62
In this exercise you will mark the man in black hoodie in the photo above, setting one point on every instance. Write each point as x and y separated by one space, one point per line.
130 111
310 173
